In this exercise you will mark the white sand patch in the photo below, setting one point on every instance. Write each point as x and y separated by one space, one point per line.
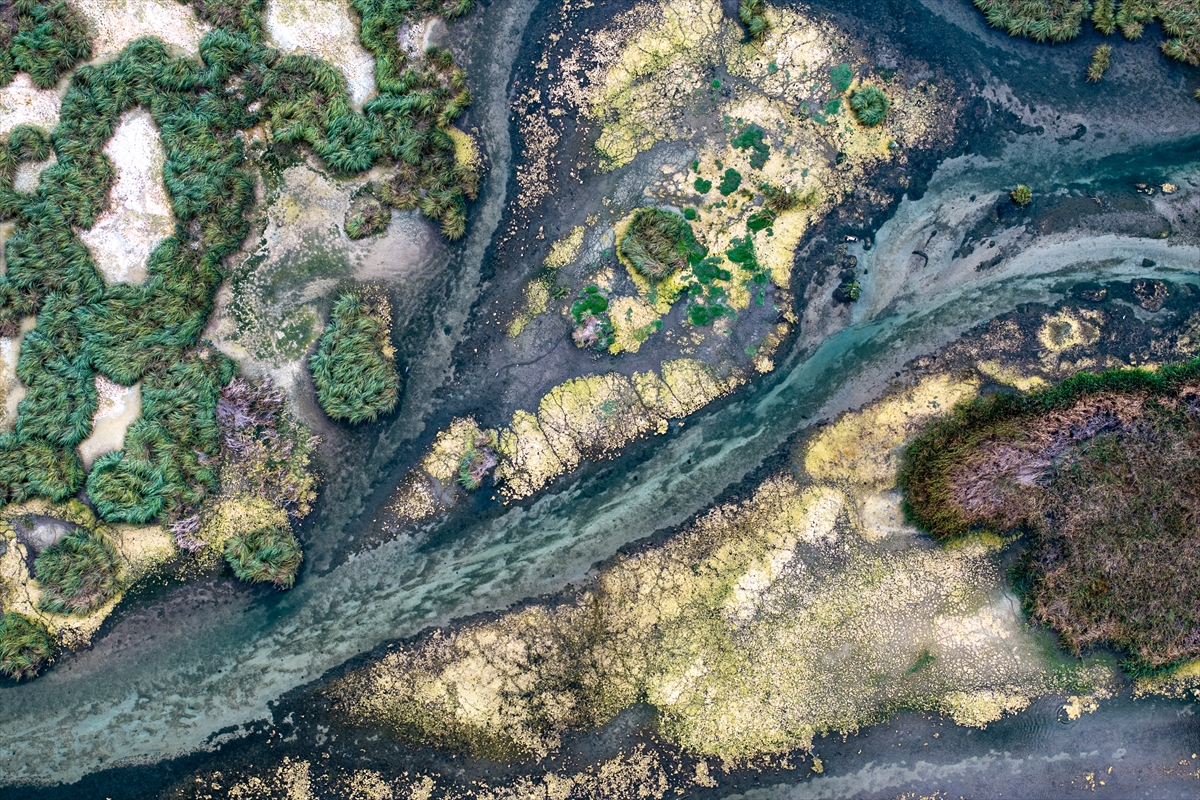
12 391
326 30
118 407
118 22
29 173
139 213
22 103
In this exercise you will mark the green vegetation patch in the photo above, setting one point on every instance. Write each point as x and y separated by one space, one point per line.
25 646
840 78
1103 475
354 367
751 138
77 573
368 214
659 243
44 39
1022 195
753 14
593 326
870 105
1060 20
1100 60
151 332
1040 20
730 182
266 554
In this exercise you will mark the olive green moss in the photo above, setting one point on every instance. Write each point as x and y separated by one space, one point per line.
151 332
44 39
77 573
25 646
1114 527
659 243
353 368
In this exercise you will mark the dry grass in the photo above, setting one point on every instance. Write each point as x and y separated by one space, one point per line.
1103 474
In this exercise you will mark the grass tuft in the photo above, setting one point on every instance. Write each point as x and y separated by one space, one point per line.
659 243
354 367
870 105
25 646
77 573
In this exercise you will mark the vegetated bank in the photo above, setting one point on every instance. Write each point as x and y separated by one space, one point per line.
1102 474
219 461
1062 20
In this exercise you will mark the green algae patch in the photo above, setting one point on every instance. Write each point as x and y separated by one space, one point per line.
354 367
1100 473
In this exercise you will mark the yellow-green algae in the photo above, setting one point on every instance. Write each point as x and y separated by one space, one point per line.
584 418
764 624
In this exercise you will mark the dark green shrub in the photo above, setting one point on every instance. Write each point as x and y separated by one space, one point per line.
659 243
45 39
730 182
25 646
702 186
77 573
870 105
752 13
761 219
354 367
751 138
690 214
268 554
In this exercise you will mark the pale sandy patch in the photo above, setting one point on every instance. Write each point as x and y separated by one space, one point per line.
116 23
118 407
22 103
29 173
326 30
12 391
139 214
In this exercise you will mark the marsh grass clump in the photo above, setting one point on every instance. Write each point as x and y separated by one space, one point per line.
44 39
477 462
1022 195
753 15
1102 474
25 646
367 215
1040 20
354 367
870 105
265 554
1099 65
1060 20
659 243
77 573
